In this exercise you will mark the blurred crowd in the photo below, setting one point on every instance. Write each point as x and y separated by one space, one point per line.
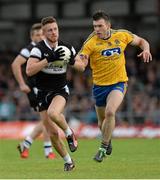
140 106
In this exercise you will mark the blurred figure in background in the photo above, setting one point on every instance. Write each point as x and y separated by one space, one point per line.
7 108
27 85
105 49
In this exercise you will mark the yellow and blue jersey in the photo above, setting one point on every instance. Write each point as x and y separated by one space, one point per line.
107 59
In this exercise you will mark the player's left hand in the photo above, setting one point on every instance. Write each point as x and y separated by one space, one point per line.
146 56
59 54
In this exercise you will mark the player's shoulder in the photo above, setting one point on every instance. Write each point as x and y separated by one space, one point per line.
64 43
25 51
29 46
37 50
68 45
40 44
123 35
120 31
91 37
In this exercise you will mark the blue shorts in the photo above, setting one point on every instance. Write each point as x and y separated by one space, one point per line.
100 93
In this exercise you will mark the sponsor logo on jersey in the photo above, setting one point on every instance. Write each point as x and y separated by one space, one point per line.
111 52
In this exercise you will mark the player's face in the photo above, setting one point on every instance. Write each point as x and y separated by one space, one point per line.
102 28
51 32
37 36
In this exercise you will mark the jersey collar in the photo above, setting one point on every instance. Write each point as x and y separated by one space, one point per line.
46 43
108 36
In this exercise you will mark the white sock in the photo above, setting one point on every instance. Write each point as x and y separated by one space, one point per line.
47 147
68 132
67 159
28 142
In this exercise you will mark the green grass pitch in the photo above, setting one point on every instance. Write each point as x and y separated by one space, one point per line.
131 159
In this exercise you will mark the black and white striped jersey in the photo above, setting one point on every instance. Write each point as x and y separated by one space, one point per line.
52 77
25 52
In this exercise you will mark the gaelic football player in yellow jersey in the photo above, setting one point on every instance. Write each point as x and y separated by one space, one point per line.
104 48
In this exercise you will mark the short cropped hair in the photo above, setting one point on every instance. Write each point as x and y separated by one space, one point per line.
48 20
101 15
34 27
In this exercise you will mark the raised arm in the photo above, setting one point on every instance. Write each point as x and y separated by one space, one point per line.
144 45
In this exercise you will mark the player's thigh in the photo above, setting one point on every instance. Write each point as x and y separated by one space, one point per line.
100 115
57 104
114 100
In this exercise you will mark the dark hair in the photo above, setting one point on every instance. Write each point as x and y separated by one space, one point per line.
48 20
36 26
100 15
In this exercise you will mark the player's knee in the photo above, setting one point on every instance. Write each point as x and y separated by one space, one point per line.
109 113
52 114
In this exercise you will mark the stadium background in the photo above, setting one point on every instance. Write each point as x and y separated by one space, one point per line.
139 114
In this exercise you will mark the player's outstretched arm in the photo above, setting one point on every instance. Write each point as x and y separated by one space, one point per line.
81 62
144 45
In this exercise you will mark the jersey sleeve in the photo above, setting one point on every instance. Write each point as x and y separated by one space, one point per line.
25 53
86 49
127 36
87 46
36 53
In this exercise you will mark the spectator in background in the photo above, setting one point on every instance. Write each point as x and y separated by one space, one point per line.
7 108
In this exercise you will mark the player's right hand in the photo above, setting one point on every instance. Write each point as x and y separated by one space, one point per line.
56 55
146 56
